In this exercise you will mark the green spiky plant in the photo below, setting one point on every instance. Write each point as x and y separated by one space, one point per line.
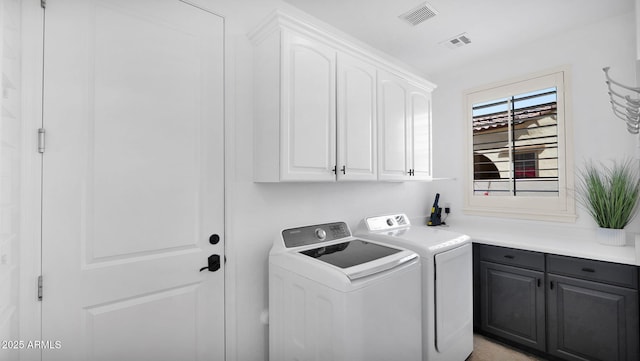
610 194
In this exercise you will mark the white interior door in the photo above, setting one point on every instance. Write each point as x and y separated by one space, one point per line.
132 181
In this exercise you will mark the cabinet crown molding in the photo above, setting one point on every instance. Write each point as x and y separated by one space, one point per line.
280 20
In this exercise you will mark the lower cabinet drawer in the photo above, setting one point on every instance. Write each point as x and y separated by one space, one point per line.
512 257
610 273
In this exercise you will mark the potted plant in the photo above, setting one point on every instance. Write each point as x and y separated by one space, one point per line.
610 195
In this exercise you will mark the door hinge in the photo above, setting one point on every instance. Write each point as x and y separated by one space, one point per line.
41 140
40 288
43 4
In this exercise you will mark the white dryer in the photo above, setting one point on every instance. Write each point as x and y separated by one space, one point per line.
335 297
447 282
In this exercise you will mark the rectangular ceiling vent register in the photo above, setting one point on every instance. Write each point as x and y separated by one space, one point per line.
457 41
419 14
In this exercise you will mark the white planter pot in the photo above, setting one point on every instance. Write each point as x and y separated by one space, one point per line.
638 248
611 237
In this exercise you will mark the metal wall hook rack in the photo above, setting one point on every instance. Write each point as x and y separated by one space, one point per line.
625 106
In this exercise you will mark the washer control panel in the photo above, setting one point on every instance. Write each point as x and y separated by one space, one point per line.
388 222
303 236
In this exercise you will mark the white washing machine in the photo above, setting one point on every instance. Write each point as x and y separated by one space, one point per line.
335 297
447 282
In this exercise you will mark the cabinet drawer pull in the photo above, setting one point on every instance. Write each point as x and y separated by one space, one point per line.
591 270
509 256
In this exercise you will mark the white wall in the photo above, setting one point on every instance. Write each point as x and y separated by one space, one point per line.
10 145
598 134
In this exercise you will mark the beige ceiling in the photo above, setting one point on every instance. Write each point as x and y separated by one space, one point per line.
492 25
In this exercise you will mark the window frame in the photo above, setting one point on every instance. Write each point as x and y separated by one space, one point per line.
560 208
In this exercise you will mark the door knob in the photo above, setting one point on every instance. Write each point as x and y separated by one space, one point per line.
213 263
214 239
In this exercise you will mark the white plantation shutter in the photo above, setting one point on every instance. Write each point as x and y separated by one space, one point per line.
519 140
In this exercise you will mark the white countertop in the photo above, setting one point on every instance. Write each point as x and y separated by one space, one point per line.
548 238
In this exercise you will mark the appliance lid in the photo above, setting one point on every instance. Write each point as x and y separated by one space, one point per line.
349 254
359 258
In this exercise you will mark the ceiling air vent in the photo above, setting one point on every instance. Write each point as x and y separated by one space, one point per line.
419 14
457 41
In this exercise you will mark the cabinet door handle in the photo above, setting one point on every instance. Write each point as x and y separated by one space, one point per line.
411 172
344 169
335 169
509 256
539 282
590 270
551 285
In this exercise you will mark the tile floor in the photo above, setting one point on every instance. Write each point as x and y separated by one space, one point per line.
488 350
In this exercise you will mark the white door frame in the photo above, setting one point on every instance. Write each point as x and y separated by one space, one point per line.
29 313
30 252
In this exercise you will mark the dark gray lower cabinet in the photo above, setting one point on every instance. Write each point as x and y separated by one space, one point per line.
566 307
591 321
512 302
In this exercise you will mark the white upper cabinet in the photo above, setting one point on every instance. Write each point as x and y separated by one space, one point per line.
322 112
393 148
356 151
420 131
308 117
295 109
404 125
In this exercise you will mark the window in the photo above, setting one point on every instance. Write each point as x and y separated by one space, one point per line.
526 165
518 157
508 134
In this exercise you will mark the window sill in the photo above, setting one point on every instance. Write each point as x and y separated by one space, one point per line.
568 217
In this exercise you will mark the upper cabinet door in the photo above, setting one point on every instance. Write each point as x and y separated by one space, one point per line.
393 132
326 110
356 151
308 120
420 129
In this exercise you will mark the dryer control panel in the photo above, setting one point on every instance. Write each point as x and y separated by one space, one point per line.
388 222
302 236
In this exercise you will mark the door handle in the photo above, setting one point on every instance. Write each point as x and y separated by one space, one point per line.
214 239
213 263
344 169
